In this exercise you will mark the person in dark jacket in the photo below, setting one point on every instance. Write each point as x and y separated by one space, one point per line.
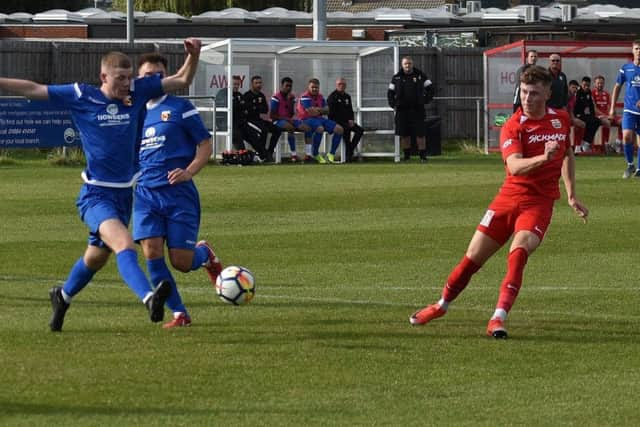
341 112
258 123
409 91
585 110
559 88
532 59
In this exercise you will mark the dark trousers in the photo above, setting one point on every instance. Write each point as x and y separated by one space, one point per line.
592 124
350 143
255 133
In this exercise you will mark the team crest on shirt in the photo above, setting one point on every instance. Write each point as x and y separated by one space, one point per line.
507 143
556 123
112 109
128 101
165 115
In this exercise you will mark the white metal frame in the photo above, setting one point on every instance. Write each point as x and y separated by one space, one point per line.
279 47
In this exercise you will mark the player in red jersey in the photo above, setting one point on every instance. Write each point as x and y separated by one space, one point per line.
536 151
602 101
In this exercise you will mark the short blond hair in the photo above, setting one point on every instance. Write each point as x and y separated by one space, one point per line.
115 60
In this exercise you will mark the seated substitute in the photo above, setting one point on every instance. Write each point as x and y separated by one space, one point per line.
311 109
282 114
341 112
258 124
585 110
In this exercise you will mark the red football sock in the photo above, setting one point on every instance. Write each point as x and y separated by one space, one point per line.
459 278
513 279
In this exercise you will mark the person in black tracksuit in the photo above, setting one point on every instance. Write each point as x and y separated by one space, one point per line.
239 113
258 125
409 91
341 112
585 110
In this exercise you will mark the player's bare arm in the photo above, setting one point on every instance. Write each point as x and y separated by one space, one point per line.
519 165
184 76
614 99
569 179
27 88
204 152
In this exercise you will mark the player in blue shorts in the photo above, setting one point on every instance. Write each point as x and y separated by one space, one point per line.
311 109
282 113
629 77
175 146
109 118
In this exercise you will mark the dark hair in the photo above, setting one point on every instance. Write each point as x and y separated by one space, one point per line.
314 81
574 82
254 78
236 77
586 79
286 80
536 74
152 58
531 51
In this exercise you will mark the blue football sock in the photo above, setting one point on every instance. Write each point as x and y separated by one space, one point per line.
628 153
317 139
79 277
132 274
335 142
291 139
159 271
200 256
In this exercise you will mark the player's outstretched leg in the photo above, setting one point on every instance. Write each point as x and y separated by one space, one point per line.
213 264
155 304
59 308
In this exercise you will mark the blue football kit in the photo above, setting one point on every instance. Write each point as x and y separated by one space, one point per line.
172 132
629 77
110 135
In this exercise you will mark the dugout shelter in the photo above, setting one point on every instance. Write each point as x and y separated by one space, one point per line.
367 67
579 59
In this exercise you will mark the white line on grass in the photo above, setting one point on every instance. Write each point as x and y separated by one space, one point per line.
203 290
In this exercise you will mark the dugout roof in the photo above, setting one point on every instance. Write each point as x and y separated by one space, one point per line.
579 58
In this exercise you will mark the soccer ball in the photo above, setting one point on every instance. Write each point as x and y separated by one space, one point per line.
235 285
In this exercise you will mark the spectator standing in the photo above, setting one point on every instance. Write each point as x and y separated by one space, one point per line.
602 101
531 59
629 77
341 112
536 153
559 88
584 110
408 92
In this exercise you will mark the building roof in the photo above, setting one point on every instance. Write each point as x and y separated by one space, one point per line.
355 6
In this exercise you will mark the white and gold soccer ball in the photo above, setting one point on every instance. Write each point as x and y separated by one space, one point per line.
236 285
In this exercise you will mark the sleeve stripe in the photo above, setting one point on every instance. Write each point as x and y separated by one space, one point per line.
76 88
189 113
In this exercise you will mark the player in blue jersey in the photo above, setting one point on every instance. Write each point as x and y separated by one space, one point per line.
109 118
175 146
629 77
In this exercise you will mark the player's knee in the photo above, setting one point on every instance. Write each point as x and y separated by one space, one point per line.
320 129
181 262
338 130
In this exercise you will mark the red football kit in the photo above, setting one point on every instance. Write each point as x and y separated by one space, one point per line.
525 202
602 101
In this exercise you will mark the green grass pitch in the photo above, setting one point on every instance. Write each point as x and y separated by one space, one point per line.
342 256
